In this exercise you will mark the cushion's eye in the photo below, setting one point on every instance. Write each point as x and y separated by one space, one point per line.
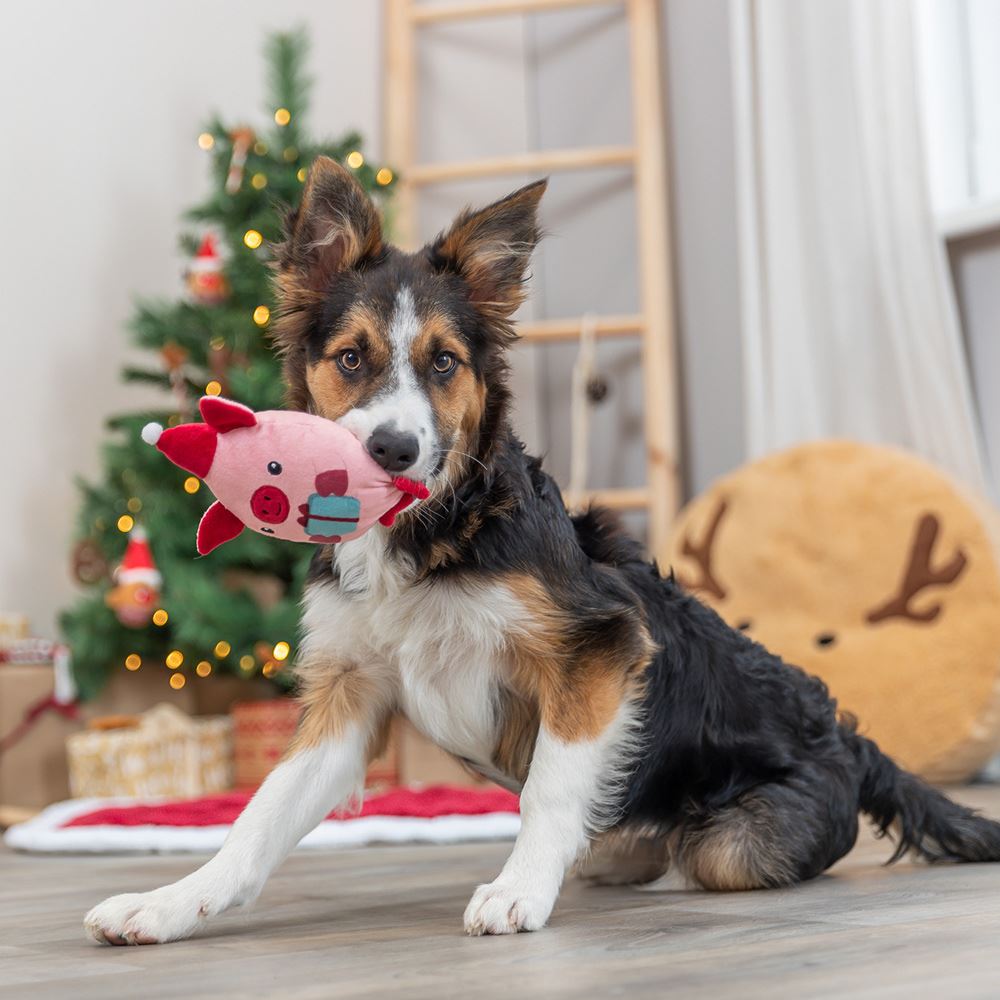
274 468
744 626
825 639
349 361
444 363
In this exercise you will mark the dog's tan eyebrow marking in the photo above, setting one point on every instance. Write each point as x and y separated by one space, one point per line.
344 339
359 329
438 333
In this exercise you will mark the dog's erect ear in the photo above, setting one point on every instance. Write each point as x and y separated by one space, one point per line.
335 227
490 248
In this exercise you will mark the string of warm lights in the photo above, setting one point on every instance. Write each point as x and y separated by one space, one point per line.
273 657
258 181
174 660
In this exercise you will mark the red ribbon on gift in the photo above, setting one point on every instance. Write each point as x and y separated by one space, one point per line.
68 710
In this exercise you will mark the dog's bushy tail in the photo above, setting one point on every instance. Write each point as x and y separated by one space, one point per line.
918 817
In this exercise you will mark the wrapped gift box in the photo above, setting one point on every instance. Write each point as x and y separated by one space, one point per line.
163 752
262 731
33 770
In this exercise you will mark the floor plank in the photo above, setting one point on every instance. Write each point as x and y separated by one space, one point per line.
387 920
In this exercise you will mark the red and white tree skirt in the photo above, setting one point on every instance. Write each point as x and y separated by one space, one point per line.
435 815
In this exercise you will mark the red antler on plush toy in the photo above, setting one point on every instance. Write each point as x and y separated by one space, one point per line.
290 475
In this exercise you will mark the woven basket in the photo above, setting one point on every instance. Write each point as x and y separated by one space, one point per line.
162 752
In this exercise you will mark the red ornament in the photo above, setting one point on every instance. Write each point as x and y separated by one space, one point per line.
137 583
206 279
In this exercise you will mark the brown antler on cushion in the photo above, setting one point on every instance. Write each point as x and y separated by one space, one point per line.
701 553
919 574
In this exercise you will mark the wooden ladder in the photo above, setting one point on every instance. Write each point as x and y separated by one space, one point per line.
647 158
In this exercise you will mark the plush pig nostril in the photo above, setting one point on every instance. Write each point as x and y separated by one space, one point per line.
269 504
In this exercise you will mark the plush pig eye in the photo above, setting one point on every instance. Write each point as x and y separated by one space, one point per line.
349 361
444 363
274 468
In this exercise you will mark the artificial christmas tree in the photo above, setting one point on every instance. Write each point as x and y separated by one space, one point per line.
236 612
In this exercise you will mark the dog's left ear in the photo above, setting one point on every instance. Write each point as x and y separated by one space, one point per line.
490 248
335 228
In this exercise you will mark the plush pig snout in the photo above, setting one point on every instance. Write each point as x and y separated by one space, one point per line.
270 505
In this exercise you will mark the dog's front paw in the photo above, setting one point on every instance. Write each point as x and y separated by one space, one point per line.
166 914
506 907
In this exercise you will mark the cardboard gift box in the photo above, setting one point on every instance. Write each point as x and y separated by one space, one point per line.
163 752
33 770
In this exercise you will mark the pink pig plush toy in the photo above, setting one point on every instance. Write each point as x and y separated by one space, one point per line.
290 475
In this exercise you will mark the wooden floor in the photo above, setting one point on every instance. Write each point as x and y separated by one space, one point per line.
387 921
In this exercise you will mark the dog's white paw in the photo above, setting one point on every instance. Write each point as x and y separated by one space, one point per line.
166 914
506 907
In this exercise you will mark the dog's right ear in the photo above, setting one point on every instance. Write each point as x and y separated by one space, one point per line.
335 228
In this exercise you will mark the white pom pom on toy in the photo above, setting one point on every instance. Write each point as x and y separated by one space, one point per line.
151 432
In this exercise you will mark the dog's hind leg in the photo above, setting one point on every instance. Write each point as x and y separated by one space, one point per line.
621 857
775 835
324 767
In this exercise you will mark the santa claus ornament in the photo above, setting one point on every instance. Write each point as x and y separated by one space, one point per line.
206 279
136 592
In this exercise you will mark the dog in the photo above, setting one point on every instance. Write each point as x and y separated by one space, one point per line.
537 646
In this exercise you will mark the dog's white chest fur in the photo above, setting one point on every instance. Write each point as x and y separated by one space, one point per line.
445 643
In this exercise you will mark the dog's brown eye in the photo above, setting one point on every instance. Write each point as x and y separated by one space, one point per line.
350 361
444 363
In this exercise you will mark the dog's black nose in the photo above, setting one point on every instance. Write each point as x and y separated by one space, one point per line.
394 450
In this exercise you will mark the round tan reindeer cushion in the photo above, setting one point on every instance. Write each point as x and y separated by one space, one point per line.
871 569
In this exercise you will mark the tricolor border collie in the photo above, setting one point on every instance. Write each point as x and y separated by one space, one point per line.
537 646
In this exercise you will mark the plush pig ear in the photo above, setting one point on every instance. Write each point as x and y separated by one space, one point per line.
225 415
190 446
218 525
